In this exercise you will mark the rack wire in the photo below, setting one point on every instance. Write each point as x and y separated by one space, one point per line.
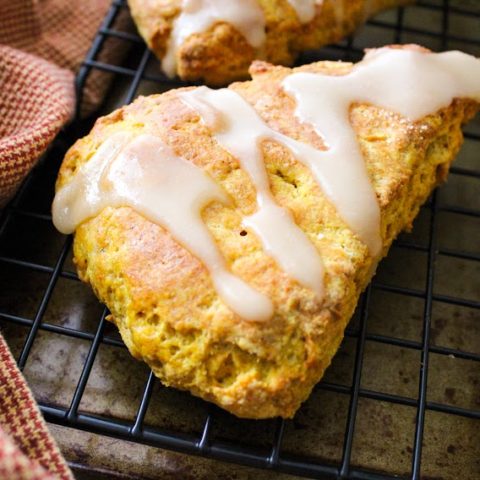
205 444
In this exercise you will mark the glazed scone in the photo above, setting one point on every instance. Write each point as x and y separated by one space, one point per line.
220 50
161 296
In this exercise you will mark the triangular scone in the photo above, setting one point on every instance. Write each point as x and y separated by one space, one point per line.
161 296
221 44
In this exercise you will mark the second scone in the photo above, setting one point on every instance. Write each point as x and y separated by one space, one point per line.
215 41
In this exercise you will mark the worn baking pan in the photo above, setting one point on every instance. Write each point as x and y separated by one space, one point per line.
402 397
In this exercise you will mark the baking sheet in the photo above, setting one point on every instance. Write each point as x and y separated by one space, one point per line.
384 431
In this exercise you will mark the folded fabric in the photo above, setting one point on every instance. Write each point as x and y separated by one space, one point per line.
27 450
42 45
60 31
36 99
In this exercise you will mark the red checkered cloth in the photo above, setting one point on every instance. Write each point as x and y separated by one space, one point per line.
37 96
27 450
36 99
42 44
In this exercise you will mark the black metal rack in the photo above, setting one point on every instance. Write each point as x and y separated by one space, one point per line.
231 451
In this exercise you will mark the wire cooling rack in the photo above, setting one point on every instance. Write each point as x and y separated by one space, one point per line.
31 207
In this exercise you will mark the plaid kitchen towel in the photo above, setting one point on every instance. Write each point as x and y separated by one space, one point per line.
27 450
42 45
61 31
36 99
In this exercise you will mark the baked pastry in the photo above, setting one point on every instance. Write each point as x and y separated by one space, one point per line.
230 232
215 41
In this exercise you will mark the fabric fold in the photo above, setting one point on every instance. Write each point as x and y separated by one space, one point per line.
27 450
42 45
37 98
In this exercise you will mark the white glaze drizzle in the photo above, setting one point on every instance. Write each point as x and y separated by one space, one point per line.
239 129
144 174
305 9
346 183
198 16
411 83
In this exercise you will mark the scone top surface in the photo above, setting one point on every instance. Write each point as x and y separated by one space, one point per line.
163 298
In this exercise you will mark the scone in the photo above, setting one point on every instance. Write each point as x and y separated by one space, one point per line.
230 232
215 41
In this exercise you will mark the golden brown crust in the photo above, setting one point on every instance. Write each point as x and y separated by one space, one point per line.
161 297
222 55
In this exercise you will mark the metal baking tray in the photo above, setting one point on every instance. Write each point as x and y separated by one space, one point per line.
402 397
